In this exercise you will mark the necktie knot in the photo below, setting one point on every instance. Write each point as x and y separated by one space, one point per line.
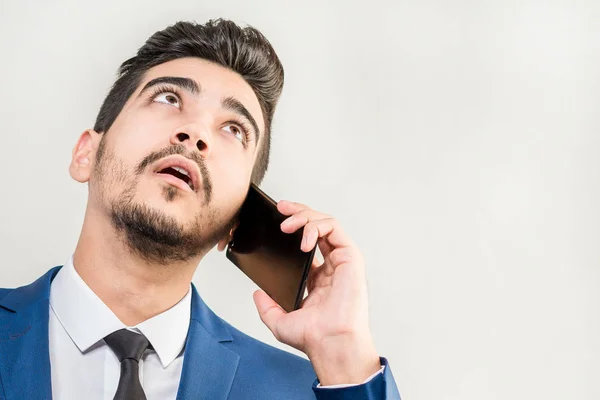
127 344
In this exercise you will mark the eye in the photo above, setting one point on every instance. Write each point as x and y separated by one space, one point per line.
168 98
235 131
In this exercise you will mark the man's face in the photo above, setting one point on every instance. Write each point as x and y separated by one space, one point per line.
187 117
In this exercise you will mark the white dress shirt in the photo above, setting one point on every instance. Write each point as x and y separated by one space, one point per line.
84 367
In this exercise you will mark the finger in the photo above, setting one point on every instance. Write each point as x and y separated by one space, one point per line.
312 274
269 311
341 255
321 277
324 247
309 238
328 229
287 207
301 218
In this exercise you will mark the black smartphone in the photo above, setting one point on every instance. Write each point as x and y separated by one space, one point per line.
269 257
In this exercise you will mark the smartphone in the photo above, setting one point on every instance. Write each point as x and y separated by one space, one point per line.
271 258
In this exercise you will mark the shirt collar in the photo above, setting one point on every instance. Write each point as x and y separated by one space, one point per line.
87 320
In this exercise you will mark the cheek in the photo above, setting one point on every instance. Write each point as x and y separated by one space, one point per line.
140 128
135 138
231 178
128 155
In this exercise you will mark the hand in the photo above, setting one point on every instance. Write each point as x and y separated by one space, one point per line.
332 325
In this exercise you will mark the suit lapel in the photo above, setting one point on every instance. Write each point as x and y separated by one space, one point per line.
208 366
24 354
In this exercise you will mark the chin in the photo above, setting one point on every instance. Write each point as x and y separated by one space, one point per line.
167 195
176 207
172 194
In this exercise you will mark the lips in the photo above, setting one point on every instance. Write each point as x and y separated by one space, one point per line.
182 169
179 173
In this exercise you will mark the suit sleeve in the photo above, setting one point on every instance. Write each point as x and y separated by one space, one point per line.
381 387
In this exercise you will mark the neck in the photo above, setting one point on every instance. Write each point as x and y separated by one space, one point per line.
134 289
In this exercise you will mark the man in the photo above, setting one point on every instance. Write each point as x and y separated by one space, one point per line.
179 138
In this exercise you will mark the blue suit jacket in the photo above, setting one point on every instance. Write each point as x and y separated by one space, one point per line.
219 363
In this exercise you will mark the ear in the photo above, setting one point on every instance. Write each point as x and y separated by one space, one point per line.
83 155
225 240
223 243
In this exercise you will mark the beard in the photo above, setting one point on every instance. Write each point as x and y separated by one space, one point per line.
150 233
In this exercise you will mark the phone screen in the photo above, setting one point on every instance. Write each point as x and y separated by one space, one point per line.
269 257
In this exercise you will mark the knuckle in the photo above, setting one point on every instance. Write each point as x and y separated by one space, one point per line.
308 227
341 255
300 205
304 215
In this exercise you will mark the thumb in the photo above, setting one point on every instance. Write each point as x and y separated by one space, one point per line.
270 312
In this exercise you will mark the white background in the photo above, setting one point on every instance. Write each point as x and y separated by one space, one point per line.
456 141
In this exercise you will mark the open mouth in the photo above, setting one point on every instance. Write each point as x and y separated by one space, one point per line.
179 173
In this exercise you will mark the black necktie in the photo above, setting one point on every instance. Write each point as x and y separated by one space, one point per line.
128 346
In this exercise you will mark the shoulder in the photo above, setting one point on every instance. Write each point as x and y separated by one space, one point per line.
248 346
269 368
4 292
20 298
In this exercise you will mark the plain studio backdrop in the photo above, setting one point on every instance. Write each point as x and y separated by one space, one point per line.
455 141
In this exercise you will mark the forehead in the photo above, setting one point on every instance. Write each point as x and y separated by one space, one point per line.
216 82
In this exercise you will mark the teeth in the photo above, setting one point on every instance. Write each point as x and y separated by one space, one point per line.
181 170
184 172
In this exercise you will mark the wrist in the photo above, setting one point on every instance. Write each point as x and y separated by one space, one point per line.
344 360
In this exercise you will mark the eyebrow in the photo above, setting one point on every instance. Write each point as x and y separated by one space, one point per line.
187 84
228 103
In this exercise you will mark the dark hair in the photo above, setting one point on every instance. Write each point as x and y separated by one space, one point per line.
243 50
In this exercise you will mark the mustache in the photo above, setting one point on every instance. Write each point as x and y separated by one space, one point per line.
180 149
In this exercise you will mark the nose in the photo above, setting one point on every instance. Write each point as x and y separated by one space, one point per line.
193 138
